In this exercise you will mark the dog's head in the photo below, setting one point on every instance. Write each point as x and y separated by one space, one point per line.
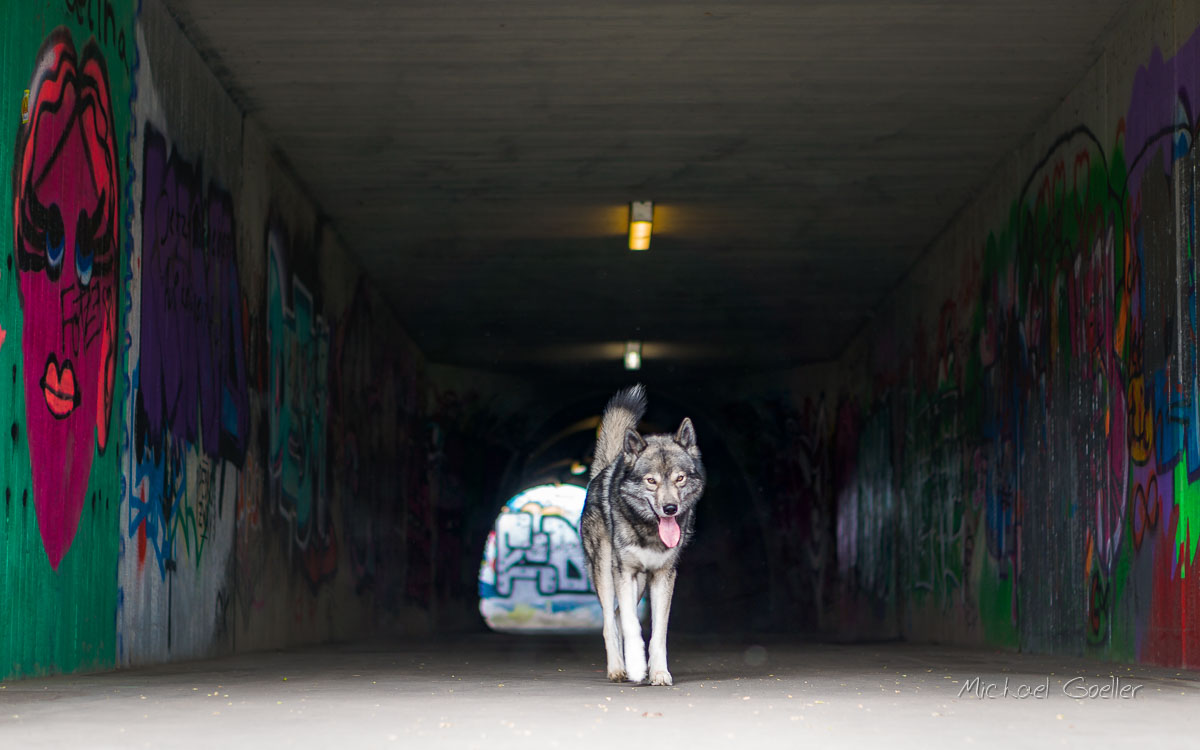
663 478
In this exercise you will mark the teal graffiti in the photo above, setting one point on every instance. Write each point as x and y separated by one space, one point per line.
298 346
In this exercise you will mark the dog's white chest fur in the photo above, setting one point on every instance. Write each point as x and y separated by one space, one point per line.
647 559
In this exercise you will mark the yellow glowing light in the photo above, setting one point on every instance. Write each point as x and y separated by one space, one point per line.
633 355
641 221
639 235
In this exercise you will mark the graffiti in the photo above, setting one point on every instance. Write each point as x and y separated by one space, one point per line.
250 435
551 555
191 402
792 449
251 551
192 369
1042 460
66 226
298 356
534 573
61 327
1098 596
364 413
936 528
808 473
866 505
101 19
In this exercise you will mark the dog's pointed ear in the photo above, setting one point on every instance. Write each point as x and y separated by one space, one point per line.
634 443
686 436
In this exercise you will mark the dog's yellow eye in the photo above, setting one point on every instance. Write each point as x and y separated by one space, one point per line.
680 479
651 481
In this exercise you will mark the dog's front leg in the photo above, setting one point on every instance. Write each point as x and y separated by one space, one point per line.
662 586
631 629
602 575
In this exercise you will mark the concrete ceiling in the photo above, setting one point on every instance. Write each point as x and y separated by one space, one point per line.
479 156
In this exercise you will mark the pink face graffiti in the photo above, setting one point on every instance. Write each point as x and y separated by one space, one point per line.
66 223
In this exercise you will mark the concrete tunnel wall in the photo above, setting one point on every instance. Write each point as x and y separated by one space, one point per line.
1005 456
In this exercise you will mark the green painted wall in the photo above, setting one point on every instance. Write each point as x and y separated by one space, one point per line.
61 617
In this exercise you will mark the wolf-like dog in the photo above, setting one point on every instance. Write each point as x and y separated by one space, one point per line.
638 517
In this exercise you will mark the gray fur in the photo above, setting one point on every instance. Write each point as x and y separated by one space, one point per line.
623 412
634 478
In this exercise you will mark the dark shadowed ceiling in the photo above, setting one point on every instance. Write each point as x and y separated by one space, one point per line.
479 156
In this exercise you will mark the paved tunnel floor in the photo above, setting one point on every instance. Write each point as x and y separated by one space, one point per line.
501 692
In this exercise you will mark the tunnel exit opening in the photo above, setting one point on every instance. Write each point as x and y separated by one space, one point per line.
533 577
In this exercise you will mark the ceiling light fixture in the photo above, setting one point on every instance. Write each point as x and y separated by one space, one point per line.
641 220
633 355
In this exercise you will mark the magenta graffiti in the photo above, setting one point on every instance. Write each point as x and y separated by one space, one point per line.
66 233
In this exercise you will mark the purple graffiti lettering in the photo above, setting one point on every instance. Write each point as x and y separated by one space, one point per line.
192 373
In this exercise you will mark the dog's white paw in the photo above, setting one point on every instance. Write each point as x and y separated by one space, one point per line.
616 675
661 677
635 672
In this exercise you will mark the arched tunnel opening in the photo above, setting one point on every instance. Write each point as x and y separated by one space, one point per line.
309 313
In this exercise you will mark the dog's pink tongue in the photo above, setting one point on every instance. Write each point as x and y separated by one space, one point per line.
668 531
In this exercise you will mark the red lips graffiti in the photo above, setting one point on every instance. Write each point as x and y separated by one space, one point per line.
59 389
66 224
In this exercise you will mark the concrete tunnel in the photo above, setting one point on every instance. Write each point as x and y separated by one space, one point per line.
298 297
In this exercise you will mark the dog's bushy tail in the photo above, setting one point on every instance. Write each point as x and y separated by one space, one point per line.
623 412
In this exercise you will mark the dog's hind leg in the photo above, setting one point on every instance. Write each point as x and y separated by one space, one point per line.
662 587
602 577
631 629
